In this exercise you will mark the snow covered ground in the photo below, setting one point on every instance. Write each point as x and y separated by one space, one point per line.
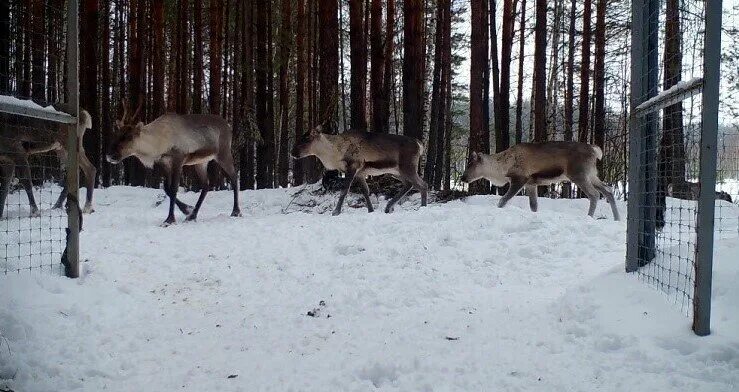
456 296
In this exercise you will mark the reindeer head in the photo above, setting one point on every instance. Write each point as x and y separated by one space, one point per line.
127 131
475 168
307 144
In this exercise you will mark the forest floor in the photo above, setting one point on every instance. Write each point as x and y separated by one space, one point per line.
454 296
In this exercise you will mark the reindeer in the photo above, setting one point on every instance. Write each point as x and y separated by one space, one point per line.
687 190
362 154
34 136
532 164
173 141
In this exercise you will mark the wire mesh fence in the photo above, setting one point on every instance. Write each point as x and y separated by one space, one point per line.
34 144
673 143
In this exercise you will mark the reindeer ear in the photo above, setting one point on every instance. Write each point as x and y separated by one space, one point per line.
139 126
474 156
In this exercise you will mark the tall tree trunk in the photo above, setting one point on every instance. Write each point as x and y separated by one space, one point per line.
495 71
570 88
246 161
89 83
135 172
198 59
540 64
569 119
216 53
159 49
443 146
377 63
328 63
389 76
437 96
300 73
286 33
503 137
414 62
672 145
265 148
183 75
521 55
585 73
38 87
358 60
5 48
599 80
478 71
105 101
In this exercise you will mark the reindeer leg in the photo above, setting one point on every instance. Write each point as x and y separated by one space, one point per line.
184 208
22 162
90 172
606 191
516 184
533 202
407 185
6 170
350 174
227 164
175 172
421 186
202 172
366 192
589 190
62 156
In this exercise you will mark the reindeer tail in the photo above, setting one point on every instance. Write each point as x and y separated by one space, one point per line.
598 152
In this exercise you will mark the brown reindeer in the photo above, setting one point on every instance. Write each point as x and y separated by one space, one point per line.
29 136
173 141
532 164
362 154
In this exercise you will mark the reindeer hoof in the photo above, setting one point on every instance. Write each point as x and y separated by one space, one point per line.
35 213
88 209
336 212
191 218
236 214
388 210
167 223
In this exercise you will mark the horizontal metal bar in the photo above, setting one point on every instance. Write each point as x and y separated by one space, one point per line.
20 110
672 95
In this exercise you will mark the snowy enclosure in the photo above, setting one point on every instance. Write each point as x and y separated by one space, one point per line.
455 296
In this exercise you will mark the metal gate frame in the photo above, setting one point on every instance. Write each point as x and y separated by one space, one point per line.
69 117
641 229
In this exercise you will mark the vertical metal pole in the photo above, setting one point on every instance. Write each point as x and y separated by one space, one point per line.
633 225
72 107
650 128
641 232
707 198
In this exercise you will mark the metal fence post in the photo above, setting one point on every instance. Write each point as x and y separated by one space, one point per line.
707 198
73 209
634 176
642 136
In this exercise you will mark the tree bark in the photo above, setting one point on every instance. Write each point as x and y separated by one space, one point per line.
377 63
265 148
105 101
283 162
478 71
583 129
414 61
600 76
198 58
216 53
437 95
88 75
389 76
502 139
570 89
358 61
540 63
5 48
300 74
521 55
672 145
246 161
